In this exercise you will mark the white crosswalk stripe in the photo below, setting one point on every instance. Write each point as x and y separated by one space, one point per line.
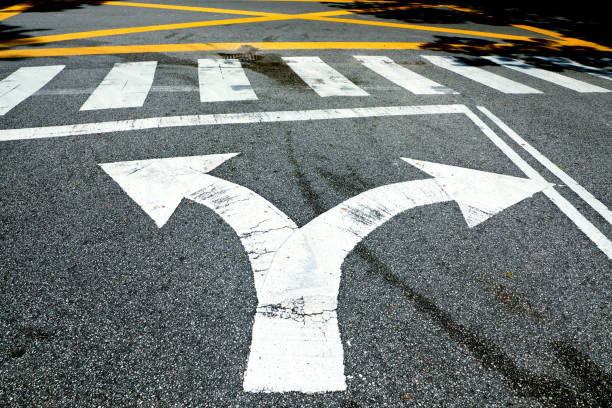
24 82
407 79
546 75
480 75
126 86
322 78
487 78
566 62
223 80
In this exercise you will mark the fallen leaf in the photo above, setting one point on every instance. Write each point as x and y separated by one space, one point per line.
508 274
407 396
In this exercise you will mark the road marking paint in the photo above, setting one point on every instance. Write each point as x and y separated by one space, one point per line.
489 79
223 80
195 47
566 62
190 8
322 78
553 168
126 86
22 83
129 30
13 10
470 33
562 40
407 79
596 236
553 77
318 16
220 119
296 342
159 185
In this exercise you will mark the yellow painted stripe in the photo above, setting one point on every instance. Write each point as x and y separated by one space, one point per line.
13 10
425 28
189 8
539 31
382 9
130 30
155 48
567 41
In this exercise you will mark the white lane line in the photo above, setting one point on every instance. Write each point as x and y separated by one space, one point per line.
407 79
126 86
322 78
566 62
596 236
545 75
489 79
22 83
553 168
221 119
223 80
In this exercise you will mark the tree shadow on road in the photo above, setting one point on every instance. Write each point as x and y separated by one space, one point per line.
10 32
587 23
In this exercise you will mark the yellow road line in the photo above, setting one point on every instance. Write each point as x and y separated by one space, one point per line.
13 10
130 30
539 31
159 48
273 17
189 8
426 28
567 41
317 16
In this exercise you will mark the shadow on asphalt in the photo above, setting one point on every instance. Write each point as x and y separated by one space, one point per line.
9 32
589 22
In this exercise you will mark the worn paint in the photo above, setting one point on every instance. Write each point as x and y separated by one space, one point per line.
479 75
126 86
545 75
24 82
223 80
407 79
322 78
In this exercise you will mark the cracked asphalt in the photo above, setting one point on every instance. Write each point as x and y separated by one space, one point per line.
100 307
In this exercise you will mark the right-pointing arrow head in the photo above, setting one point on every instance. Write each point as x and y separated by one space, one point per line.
159 185
480 194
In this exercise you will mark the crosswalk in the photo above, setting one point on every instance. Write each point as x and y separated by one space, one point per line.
127 85
223 80
24 82
322 78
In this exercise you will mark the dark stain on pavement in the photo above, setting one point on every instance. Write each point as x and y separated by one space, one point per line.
514 302
270 65
308 192
592 378
591 385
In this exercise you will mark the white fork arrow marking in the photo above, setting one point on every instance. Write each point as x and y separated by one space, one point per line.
296 340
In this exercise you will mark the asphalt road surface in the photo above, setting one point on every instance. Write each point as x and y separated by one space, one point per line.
302 204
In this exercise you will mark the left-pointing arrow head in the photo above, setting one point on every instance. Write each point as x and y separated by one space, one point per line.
159 185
